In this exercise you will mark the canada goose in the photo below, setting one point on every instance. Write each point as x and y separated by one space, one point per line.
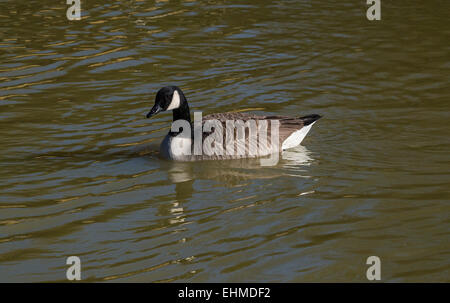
180 143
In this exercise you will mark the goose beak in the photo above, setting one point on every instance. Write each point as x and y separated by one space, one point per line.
155 109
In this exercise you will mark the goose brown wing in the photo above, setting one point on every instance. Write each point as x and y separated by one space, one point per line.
287 125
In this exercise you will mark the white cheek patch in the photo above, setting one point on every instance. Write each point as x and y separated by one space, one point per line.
175 103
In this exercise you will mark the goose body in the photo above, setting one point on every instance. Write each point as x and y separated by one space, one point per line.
179 145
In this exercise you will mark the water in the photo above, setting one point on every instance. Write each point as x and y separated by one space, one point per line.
81 175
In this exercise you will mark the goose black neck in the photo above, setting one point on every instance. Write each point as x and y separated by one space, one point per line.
182 112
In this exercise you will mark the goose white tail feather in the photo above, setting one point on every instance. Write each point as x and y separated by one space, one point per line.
296 137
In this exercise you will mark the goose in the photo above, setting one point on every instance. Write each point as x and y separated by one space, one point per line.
179 144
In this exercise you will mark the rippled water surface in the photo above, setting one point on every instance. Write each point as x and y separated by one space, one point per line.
80 172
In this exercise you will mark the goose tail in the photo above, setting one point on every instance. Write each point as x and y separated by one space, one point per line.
309 119
297 137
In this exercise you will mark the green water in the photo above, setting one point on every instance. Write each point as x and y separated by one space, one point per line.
80 172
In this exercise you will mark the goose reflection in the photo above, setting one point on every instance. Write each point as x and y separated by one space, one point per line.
183 192
232 172
229 173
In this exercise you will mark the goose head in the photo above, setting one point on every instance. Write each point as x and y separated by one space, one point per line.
169 98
